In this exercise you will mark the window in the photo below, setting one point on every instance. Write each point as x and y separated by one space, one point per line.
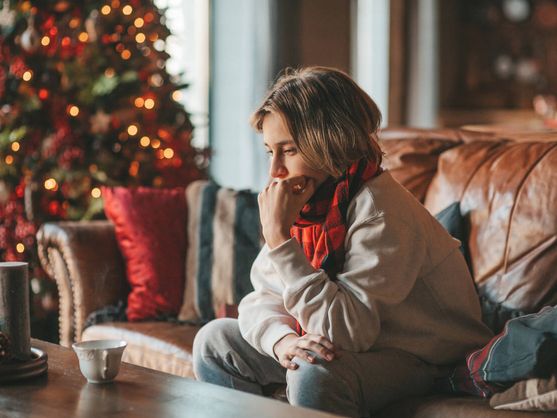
188 47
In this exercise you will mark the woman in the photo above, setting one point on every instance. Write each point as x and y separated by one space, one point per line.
360 297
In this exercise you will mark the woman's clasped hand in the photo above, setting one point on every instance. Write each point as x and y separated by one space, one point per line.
306 347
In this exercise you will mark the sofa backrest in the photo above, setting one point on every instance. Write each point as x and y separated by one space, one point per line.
411 155
507 187
508 192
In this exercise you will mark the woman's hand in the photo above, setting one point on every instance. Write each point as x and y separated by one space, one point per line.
279 206
304 347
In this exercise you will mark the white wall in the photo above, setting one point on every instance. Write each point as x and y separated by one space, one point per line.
370 50
188 47
241 71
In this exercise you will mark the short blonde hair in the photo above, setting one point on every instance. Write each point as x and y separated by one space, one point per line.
332 120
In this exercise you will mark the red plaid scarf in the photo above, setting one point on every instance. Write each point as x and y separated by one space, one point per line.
321 225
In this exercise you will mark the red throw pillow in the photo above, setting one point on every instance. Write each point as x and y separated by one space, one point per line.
150 229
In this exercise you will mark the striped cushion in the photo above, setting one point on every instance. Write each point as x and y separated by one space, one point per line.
224 237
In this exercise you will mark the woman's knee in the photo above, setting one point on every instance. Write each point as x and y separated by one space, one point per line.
324 386
213 341
310 384
215 336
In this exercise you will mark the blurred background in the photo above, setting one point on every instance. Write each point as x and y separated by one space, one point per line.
427 63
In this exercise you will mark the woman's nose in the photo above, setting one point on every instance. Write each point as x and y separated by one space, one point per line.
277 168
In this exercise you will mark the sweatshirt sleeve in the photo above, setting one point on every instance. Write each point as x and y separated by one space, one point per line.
262 318
382 262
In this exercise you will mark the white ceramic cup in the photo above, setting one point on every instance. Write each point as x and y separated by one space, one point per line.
99 360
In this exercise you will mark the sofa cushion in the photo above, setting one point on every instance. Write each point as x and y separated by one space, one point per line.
456 167
528 395
150 229
411 155
509 193
162 346
527 347
224 237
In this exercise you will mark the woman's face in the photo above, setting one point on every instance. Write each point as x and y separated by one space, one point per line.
285 160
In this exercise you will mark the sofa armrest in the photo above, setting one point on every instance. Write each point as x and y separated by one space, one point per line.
85 261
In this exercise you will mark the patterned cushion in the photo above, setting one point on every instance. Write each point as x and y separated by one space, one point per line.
224 237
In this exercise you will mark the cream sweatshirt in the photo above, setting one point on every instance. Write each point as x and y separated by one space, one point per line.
404 285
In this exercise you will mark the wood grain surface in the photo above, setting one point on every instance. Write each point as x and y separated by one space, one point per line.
136 392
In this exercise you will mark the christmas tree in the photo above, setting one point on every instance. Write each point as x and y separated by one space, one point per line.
85 101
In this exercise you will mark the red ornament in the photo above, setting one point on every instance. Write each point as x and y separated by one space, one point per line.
43 94
54 208
18 67
49 24
20 190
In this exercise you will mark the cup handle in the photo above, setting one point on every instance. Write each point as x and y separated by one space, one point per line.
105 361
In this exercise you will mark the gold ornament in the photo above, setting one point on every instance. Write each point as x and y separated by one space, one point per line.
62 6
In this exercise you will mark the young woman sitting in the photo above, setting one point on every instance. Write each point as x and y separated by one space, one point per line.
361 297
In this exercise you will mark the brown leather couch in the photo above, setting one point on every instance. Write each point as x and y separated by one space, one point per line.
507 186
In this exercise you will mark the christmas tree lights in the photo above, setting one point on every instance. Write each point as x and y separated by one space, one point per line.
85 101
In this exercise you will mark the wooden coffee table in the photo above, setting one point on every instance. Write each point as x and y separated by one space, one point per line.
136 392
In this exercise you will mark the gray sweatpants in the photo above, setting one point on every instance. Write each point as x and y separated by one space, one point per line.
354 384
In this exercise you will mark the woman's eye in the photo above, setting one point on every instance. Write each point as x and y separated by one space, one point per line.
290 151
269 152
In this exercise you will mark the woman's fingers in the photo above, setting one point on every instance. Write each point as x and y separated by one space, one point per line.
317 345
297 184
306 348
287 363
322 341
304 355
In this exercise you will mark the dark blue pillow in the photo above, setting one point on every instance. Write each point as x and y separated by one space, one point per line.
457 225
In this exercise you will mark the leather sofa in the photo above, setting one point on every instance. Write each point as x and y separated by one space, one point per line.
507 188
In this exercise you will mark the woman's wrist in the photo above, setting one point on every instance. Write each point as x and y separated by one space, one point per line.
274 240
284 340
